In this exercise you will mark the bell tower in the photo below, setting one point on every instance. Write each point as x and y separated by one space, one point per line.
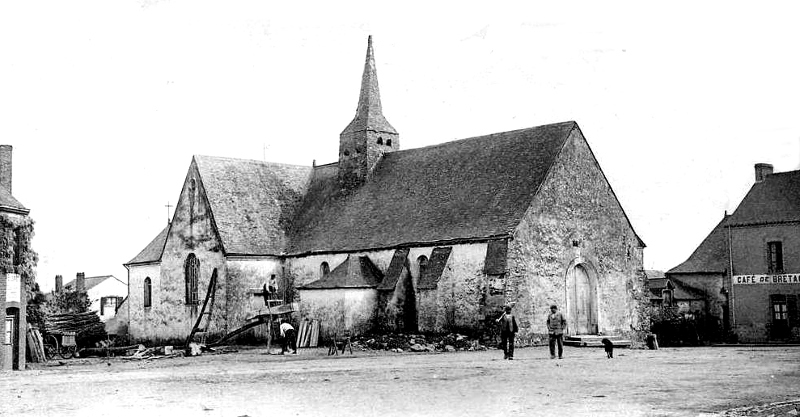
364 141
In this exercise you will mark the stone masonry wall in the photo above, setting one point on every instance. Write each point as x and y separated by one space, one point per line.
245 282
455 303
339 310
751 303
144 322
575 205
191 232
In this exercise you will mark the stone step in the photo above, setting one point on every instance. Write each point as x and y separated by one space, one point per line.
592 340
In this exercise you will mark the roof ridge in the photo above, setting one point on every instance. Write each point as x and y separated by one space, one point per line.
227 158
462 140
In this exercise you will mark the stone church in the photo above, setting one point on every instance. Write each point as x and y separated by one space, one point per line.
432 239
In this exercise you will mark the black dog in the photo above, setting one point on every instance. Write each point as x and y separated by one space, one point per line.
609 347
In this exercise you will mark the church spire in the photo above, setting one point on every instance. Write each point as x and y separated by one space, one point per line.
369 136
369 114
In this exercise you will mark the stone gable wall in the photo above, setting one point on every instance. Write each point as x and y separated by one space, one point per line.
574 205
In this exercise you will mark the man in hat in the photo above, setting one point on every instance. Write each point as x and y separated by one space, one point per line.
508 330
556 324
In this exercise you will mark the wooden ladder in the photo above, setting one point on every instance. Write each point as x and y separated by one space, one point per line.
208 307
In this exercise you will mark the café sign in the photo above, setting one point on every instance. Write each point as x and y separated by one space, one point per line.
766 279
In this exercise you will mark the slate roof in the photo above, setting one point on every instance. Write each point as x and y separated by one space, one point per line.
680 291
470 188
711 256
496 257
92 282
152 252
396 266
776 199
369 113
7 201
252 201
354 272
432 273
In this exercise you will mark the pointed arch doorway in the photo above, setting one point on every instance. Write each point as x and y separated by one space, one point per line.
581 299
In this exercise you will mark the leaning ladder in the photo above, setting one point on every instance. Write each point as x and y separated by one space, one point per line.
208 307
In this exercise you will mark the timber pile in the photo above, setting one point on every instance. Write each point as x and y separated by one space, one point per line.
87 326
35 345
308 334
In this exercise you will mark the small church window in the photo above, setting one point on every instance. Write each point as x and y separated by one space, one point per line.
192 270
422 261
346 152
380 141
148 292
324 270
388 142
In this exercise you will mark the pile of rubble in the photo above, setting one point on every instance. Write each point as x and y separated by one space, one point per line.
451 342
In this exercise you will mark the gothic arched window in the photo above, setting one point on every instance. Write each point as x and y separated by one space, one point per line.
380 141
191 270
148 292
324 269
388 142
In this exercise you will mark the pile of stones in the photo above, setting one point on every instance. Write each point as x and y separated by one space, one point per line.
399 342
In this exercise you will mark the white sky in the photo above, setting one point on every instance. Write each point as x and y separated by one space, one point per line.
105 102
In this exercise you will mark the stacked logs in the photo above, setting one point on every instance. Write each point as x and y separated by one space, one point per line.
87 326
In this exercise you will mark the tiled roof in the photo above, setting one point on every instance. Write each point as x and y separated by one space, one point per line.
369 114
775 199
711 256
399 261
680 291
354 272
496 256
7 200
91 282
252 201
152 252
465 189
432 273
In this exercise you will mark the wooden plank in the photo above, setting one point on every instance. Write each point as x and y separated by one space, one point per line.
300 332
314 333
308 335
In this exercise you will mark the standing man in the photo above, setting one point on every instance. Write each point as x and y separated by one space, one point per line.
556 324
508 330
287 333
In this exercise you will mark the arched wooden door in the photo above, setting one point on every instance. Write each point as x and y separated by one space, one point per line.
582 301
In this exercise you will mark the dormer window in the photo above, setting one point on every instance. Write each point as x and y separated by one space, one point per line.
380 141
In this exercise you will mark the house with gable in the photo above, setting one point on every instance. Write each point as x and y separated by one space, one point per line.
748 267
429 239
17 268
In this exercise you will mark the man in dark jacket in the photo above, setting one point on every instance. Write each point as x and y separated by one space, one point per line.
556 325
508 330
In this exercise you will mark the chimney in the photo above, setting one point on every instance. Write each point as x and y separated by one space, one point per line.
59 284
80 282
762 170
5 167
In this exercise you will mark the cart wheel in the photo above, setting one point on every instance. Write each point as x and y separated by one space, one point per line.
66 352
50 347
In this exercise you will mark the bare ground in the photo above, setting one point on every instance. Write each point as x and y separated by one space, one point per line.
667 382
